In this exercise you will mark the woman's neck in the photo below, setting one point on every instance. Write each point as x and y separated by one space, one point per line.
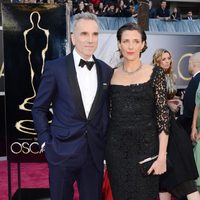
131 65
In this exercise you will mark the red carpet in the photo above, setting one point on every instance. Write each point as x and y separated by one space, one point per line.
33 175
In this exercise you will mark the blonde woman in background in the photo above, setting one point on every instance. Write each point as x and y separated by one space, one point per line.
180 176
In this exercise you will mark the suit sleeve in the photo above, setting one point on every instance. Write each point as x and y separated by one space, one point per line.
42 104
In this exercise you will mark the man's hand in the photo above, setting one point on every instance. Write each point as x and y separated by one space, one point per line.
43 147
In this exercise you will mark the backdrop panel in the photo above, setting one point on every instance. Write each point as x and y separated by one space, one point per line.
2 128
33 33
180 45
1 64
0 13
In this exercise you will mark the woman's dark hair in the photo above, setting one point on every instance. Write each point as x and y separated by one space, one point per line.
132 27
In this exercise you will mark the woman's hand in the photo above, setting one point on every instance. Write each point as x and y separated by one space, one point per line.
198 136
174 104
194 134
158 167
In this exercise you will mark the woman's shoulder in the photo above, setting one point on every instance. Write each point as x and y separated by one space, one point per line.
117 68
158 70
148 67
118 65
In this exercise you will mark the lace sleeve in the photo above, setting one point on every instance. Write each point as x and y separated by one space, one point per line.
162 110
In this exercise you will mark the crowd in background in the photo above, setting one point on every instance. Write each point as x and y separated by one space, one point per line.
120 8
126 8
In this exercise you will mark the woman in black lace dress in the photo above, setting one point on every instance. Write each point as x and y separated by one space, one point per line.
138 126
179 179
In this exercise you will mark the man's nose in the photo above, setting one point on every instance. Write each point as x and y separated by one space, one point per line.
90 38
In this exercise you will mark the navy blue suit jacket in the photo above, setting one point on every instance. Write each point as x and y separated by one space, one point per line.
70 130
189 103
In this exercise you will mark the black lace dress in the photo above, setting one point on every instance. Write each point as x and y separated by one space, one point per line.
139 113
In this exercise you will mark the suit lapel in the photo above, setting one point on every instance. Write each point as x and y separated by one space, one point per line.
97 99
73 82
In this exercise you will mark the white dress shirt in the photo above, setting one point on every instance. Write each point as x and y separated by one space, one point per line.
87 80
195 74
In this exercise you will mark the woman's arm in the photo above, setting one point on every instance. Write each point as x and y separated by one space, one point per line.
160 165
162 116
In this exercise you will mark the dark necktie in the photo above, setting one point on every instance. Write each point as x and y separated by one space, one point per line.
88 64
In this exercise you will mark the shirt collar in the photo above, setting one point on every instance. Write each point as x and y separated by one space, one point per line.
195 74
77 58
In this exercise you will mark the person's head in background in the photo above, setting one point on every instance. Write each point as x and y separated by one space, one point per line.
101 6
70 5
163 59
163 4
189 14
194 63
131 41
85 34
112 7
91 8
175 10
121 4
150 4
81 5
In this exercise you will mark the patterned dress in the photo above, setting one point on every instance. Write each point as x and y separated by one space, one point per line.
139 113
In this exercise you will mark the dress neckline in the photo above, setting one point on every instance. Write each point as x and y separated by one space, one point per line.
137 84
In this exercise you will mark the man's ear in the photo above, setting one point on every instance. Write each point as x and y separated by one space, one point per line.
72 39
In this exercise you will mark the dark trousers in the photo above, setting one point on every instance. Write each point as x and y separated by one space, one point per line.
88 177
183 198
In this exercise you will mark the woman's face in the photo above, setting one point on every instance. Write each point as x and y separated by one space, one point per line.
165 61
175 10
100 5
121 3
81 5
131 44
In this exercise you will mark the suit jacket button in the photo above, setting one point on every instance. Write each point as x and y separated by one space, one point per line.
85 133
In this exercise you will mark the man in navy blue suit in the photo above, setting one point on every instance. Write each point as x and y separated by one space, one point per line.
190 92
189 97
76 87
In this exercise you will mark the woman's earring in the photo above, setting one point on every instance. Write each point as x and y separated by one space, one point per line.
120 53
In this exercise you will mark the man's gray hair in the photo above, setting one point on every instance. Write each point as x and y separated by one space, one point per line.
86 16
195 57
